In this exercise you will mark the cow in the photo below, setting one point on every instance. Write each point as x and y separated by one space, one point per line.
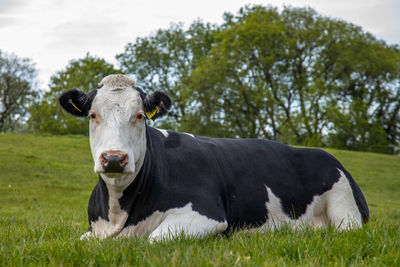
160 184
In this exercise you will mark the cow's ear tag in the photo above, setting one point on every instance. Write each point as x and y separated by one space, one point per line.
151 114
72 103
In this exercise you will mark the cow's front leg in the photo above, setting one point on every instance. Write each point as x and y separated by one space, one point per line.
191 225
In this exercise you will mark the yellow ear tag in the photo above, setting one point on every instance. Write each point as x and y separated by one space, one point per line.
75 106
151 114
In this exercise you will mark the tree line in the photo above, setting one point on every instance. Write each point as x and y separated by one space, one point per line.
292 76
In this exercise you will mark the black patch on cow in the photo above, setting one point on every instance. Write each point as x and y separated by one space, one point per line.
173 140
76 102
98 202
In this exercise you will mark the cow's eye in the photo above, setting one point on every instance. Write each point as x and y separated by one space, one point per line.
139 116
92 115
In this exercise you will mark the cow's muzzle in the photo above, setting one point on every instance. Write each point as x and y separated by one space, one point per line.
114 161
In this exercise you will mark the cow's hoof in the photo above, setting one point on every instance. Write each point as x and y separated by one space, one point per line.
86 236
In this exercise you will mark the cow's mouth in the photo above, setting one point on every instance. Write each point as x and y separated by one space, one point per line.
114 175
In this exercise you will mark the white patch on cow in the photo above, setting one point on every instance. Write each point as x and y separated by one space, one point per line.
164 132
341 207
335 207
187 221
173 222
145 227
277 217
116 105
191 135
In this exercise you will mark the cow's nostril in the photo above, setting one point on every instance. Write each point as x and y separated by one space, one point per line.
103 159
124 160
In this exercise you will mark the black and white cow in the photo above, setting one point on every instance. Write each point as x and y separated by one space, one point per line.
159 183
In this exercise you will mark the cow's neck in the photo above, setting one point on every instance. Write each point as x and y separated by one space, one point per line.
136 198
121 189
116 215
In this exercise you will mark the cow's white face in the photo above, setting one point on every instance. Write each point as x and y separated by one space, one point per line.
117 125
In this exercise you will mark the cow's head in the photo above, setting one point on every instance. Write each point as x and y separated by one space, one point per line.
117 112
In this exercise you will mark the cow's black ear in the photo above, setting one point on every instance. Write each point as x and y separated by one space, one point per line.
76 102
156 104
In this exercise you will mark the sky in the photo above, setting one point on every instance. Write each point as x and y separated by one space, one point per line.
52 32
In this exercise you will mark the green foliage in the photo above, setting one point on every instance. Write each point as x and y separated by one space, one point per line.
17 90
293 76
43 212
356 131
84 74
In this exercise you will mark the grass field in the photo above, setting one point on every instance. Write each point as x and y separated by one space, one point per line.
46 181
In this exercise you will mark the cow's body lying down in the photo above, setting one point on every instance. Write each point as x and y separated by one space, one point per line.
173 183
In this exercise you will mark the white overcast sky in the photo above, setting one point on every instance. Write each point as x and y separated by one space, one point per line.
52 32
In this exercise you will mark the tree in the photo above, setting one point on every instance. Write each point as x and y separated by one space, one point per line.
85 74
296 76
17 90
369 95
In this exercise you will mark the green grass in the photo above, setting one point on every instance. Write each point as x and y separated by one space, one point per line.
46 181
